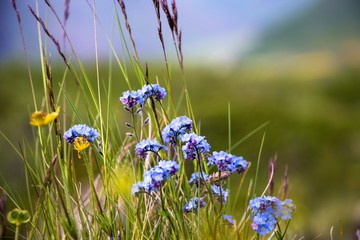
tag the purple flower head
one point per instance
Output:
(228, 162)
(262, 229)
(220, 193)
(177, 127)
(194, 145)
(138, 187)
(132, 98)
(288, 208)
(148, 145)
(81, 130)
(228, 219)
(267, 210)
(197, 178)
(154, 177)
(171, 167)
(194, 205)
(154, 90)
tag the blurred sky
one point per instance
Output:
(212, 30)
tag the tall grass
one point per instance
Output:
(105, 188)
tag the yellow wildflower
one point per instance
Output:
(81, 143)
(41, 118)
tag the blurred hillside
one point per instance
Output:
(314, 44)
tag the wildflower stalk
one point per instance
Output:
(134, 124)
(156, 117)
(46, 183)
(218, 214)
(278, 232)
(91, 183)
(258, 163)
(164, 210)
(286, 228)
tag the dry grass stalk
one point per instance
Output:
(285, 185)
(272, 167)
(127, 24)
(173, 24)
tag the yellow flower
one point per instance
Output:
(41, 119)
(80, 144)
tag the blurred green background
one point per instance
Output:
(302, 75)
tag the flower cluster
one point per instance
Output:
(177, 127)
(194, 204)
(194, 145)
(148, 145)
(81, 130)
(288, 209)
(219, 192)
(266, 212)
(228, 162)
(132, 98)
(197, 178)
(228, 219)
(155, 176)
(154, 90)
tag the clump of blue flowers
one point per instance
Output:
(228, 219)
(194, 205)
(228, 162)
(220, 193)
(154, 177)
(155, 91)
(177, 127)
(194, 145)
(81, 130)
(266, 212)
(198, 178)
(148, 145)
(132, 98)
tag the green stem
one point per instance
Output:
(17, 232)
(286, 227)
(134, 124)
(278, 233)
(163, 208)
(91, 182)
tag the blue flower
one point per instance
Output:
(220, 193)
(81, 130)
(177, 127)
(267, 210)
(194, 145)
(148, 145)
(171, 167)
(262, 229)
(228, 162)
(158, 174)
(140, 186)
(288, 209)
(197, 178)
(154, 90)
(132, 98)
(194, 205)
(154, 177)
(229, 219)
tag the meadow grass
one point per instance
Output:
(89, 175)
